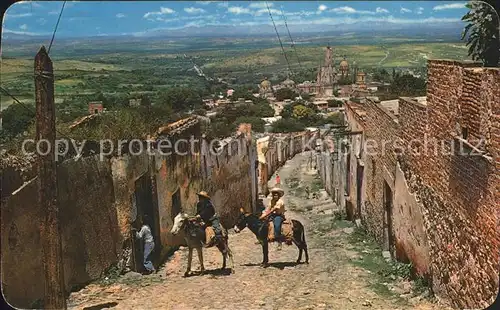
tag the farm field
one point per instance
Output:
(241, 61)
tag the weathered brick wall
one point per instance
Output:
(459, 193)
(381, 129)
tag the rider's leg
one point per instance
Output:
(217, 228)
(278, 220)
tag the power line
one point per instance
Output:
(291, 40)
(279, 39)
(28, 109)
(55, 29)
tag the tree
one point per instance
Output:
(408, 85)
(305, 96)
(16, 119)
(181, 98)
(145, 100)
(242, 92)
(481, 32)
(256, 122)
(301, 112)
(285, 93)
(334, 103)
(287, 125)
(262, 110)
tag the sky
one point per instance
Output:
(108, 18)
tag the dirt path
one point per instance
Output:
(346, 271)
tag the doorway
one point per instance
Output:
(144, 203)
(359, 187)
(388, 229)
(176, 204)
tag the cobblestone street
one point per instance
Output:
(345, 271)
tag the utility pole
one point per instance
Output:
(55, 297)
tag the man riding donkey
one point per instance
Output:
(205, 211)
(275, 212)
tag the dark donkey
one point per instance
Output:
(261, 229)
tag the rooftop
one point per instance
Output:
(391, 105)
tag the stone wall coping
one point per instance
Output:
(386, 111)
(413, 102)
(461, 63)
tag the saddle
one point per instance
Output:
(210, 239)
(286, 232)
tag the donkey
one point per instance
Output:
(261, 229)
(195, 239)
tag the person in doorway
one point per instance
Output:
(205, 211)
(276, 212)
(146, 235)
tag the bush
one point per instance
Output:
(256, 122)
(16, 119)
(287, 125)
(285, 93)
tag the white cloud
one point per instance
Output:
(53, 13)
(224, 4)
(23, 27)
(350, 10)
(265, 11)
(420, 10)
(260, 5)
(193, 10)
(41, 21)
(405, 10)
(238, 10)
(29, 3)
(300, 13)
(204, 2)
(381, 10)
(390, 19)
(120, 15)
(322, 8)
(18, 15)
(449, 6)
(344, 9)
(7, 31)
(163, 11)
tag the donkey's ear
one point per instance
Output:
(242, 210)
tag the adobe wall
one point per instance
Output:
(85, 193)
(97, 209)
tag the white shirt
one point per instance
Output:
(145, 233)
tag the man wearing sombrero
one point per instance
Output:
(276, 211)
(206, 211)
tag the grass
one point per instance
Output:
(384, 271)
(372, 260)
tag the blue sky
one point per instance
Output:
(83, 18)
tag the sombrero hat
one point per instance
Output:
(203, 194)
(278, 190)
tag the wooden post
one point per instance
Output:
(50, 236)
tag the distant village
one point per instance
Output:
(319, 93)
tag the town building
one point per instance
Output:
(95, 107)
(327, 78)
(135, 102)
(265, 89)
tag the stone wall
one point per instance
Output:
(437, 173)
(90, 232)
(275, 149)
(459, 192)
